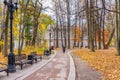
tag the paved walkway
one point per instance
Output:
(60, 66)
(27, 70)
(57, 69)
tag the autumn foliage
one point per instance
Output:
(77, 32)
(26, 50)
(106, 35)
(102, 60)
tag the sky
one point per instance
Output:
(48, 3)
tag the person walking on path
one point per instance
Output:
(63, 48)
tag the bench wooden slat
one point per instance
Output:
(34, 56)
(4, 69)
(21, 60)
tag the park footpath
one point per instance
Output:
(60, 66)
(57, 69)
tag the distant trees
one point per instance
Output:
(77, 32)
(97, 19)
(62, 12)
(32, 23)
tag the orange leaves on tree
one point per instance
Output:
(106, 35)
(77, 32)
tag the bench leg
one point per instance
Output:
(7, 71)
(21, 66)
(35, 60)
(41, 57)
(31, 62)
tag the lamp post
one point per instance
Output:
(12, 6)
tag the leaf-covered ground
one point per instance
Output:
(103, 60)
(26, 50)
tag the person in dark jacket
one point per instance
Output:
(63, 48)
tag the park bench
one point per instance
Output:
(4, 69)
(21, 60)
(47, 52)
(34, 56)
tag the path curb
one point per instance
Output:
(72, 73)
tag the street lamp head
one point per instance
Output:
(15, 1)
(5, 2)
(16, 4)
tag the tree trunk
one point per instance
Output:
(57, 40)
(117, 29)
(92, 26)
(6, 33)
(35, 29)
(103, 28)
(88, 22)
(68, 22)
(110, 38)
(36, 18)
(22, 33)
